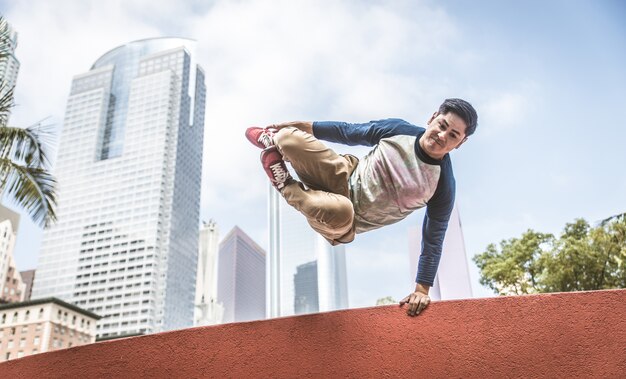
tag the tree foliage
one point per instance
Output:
(24, 163)
(581, 258)
(387, 300)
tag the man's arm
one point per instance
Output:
(368, 134)
(305, 126)
(438, 213)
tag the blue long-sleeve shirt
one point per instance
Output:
(396, 178)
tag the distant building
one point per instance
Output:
(208, 311)
(9, 65)
(452, 280)
(12, 288)
(306, 298)
(306, 273)
(125, 244)
(28, 277)
(241, 277)
(42, 325)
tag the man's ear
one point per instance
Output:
(432, 117)
(461, 143)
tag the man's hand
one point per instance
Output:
(418, 300)
(305, 126)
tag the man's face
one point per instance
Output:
(444, 133)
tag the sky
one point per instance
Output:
(546, 77)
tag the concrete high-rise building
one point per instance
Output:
(307, 274)
(241, 277)
(28, 277)
(12, 288)
(9, 65)
(453, 279)
(208, 311)
(125, 245)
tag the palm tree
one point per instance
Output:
(24, 164)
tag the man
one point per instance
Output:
(340, 196)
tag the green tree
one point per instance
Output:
(514, 268)
(386, 301)
(582, 258)
(24, 164)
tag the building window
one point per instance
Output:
(7, 357)
(15, 317)
(10, 345)
(36, 340)
(38, 327)
(20, 354)
(13, 331)
(4, 318)
(41, 313)
(23, 342)
(26, 315)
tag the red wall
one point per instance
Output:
(557, 335)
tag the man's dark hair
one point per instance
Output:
(462, 109)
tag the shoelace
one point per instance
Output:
(266, 139)
(279, 174)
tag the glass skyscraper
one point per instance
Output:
(129, 165)
(307, 274)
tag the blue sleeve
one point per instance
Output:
(367, 134)
(438, 211)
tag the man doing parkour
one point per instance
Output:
(340, 196)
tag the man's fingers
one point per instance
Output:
(423, 303)
(412, 307)
(405, 300)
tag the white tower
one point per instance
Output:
(207, 311)
(452, 280)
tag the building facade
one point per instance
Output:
(12, 287)
(9, 65)
(28, 277)
(241, 277)
(125, 245)
(42, 325)
(208, 311)
(307, 274)
(453, 279)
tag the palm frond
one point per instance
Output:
(27, 145)
(32, 188)
(6, 102)
(5, 38)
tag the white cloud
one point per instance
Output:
(504, 110)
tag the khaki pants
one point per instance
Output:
(326, 201)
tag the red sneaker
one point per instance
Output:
(275, 167)
(260, 137)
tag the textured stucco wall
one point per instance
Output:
(575, 335)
